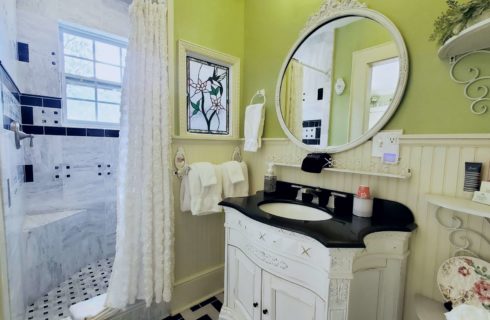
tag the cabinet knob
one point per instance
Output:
(265, 311)
(256, 304)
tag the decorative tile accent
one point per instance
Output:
(22, 52)
(312, 131)
(28, 173)
(27, 115)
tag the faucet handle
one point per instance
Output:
(331, 199)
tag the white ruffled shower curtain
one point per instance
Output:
(143, 266)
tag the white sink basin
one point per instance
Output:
(294, 211)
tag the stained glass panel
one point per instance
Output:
(208, 97)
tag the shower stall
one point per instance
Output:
(59, 204)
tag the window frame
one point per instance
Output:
(94, 35)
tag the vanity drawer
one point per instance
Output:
(285, 242)
(292, 256)
(286, 267)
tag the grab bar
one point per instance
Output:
(19, 135)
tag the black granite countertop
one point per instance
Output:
(344, 230)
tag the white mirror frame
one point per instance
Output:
(329, 11)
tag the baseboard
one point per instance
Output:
(196, 288)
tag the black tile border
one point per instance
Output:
(70, 132)
(28, 101)
(27, 115)
(76, 132)
(33, 100)
(95, 132)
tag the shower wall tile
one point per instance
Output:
(67, 177)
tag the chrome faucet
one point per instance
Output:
(19, 135)
(304, 190)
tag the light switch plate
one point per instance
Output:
(387, 142)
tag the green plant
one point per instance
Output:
(456, 18)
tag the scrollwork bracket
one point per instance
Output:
(459, 234)
(479, 98)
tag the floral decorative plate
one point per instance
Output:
(465, 280)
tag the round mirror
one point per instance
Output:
(342, 81)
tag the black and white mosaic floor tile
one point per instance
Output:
(207, 310)
(91, 281)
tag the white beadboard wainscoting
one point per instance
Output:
(437, 166)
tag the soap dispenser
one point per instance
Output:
(270, 179)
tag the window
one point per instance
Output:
(93, 67)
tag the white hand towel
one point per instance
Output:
(86, 309)
(206, 173)
(185, 194)
(467, 312)
(254, 126)
(204, 200)
(234, 171)
(239, 189)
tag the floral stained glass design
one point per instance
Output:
(208, 100)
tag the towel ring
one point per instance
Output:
(180, 163)
(258, 94)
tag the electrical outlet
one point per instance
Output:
(386, 145)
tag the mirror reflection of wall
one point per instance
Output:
(384, 79)
(352, 38)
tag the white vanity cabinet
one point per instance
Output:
(257, 294)
(275, 274)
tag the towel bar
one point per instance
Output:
(182, 167)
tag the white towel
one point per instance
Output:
(206, 173)
(185, 195)
(239, 189)
(254, 125)
(467, 312)
(234, 171)
(86, 309)
(204, 200)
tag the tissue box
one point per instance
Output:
(481, 197)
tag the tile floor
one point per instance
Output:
(91, 281)
(206, 310)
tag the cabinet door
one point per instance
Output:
(244, 285)
(284, 300)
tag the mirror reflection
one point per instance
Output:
(339, 82)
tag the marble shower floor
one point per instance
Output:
(92, 280)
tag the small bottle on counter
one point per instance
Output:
(270, 179)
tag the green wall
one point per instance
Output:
(433, 103)
(363, 34)
(215, 24)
